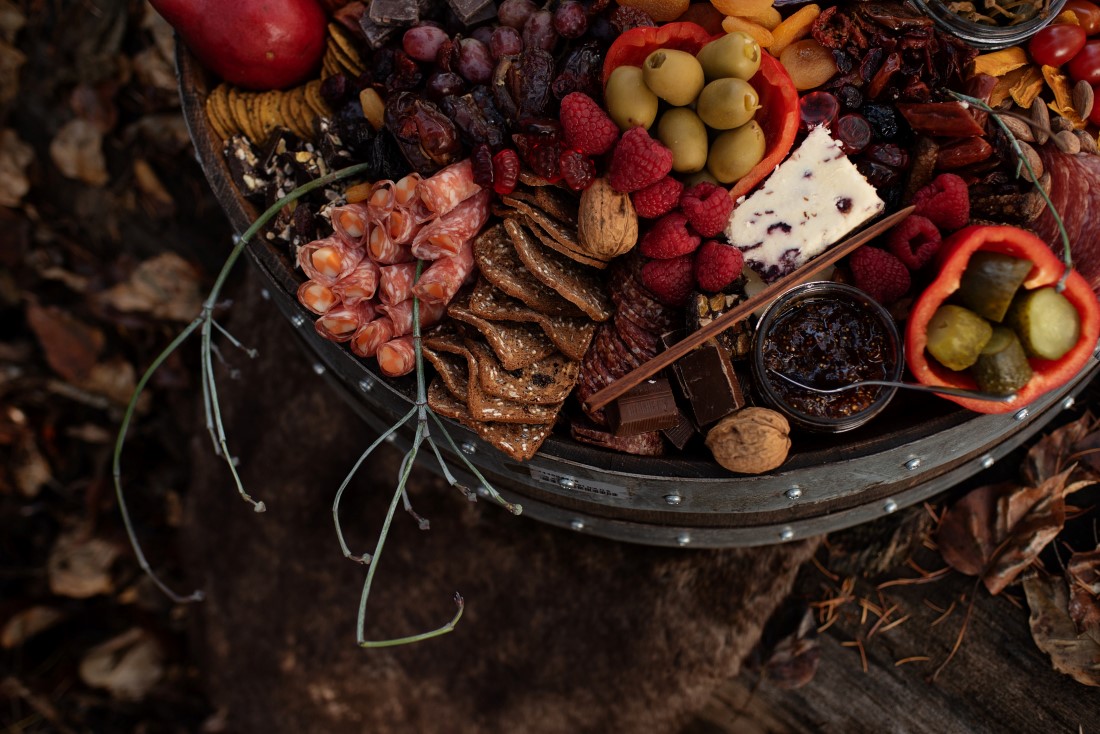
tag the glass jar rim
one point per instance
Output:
(982, 35)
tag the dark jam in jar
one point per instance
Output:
(828, 343)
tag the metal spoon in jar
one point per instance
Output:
(958, 392)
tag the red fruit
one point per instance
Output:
(657, 199)
(586, 126)
(257, 44)
(1056, 44)
(914, 241)
(577, 169)
(881, 275)
(707, 206)
(1086, 64)
(482, 160)
(638, 161)
(668, 238)
(717, 265)
(505, 171)
(945, 201)
(670, 281)
(541, 152)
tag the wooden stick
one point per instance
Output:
(741, 311)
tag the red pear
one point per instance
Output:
(257, 44)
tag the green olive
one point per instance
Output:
(685, 135)
(735, 152)
(629, 101)
(674, 76)
(735, 54)
(727, 103)
(699, 177)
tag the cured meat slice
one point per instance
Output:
(401, 226)
(447, 188)
(383, 250)
(641, 444)
(397, 356)
(370, 336)
(316, 297)
(328, 260)
(358, 285)
(441, 281)
(352, 223)
(381, 200)
(446, 235)
(341, 323)
(396, 283)
(401, 315)
(407, 198)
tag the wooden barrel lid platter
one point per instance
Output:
(916, 449)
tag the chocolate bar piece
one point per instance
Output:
(679, 434)
(709, 383)
(648, 407)
(394, 12)
(468, 11)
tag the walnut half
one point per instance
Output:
(751, 441)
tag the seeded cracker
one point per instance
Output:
(577, 284)
(571, 335)
(545, 382)
(516, 344)
(498, 262)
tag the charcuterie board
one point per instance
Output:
(915, 449)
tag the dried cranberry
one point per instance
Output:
(505, 171)
(888, 154)
(577, 169)
(540, 152)
(482, 159)
(406, 73)
(580, 71)
(850, 97)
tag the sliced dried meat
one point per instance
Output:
(441, 281)
(351, 223)
(447, 234)
(547, 381)
(515, 343)
(447, 188)
(381, 200)
(401, 315)
(641, 341)
(396, 283)
(499, 263)
(642, 444)
(384, 251)
(580, 285)
(397, 356)
(636, 303)
(358, 285)
(571, 335)
(401, 226)
(340, 323)
(328, 260)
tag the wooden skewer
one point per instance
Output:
(741, 311)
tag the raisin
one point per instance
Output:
(884, 121)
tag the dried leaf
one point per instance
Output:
(30, 470)
(77, 151)
(165, 287)
(1076, 655)
(27, 623)
(794, 658)
(1002, 90)
(999, 63)
(71, 346)
(1055, 451)
(15, 158)
(11, 61)
(1063, 95)
(128, 666)
(156, 198)
(1028, 88)
(115, 380)
(1083, 576)
(80, 568)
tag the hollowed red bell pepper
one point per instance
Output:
(953, 257)
(778, 113)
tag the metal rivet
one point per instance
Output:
(1068, 403)
(265, 294)
(988, 461)
(683, 539)
(318, 368)
(567, 482)
(794, 492)
(468, 448)
(786, 533)
(1021, 414)
(577, 524)
(298, 319)
(890, 506)
(366, 384)
(673, 499)
(912, 464)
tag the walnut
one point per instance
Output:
(607, 225)
(751, 441)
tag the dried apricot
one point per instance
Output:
(661, 11)
(794, 28)
(809, 63)
(742, 7)
(762, 35)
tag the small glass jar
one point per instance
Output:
(986, 36)
(826, 334)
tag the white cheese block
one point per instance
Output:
(809, 203)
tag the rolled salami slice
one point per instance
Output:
(351, 223)
(447, 188)
(341, 323)
(444, 236)
(381, 200)
(401, 315)
(372, 335)
(316, 297)
(439, 283)
(401, 226)
(396, 283)
(328, 260)
(384, 250)
(407, 197)
(358, 285)
(397, 356)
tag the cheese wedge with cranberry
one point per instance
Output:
(808, 204)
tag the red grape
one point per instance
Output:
(1087, 13)
(1094, 116)
(854, 132)
(514, 13)
(1086, 64)
(570, 20)
(818, 108)
(505, 41)
(482, 33)
(422, 42)
(443, 83)
(475, 63)
(1056, 44)
(538, 31)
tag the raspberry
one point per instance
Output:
(883, 276)
(505, 171)
(624, 19)
(586, 126)
(707, 206)
(914, 241)
(946, 201)
(638, 161)
(482, 159)
(717, 265)
(670, 281)
(668, 238)
(657, 199)
(540, 151)
(577, 169)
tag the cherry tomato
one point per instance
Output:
(1086, 64)
(1094, 116)
(1088, 15)
(1056, 44)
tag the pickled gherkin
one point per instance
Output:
(956, 336)
(1046, 322)
(1002, 367)
(990, 282)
